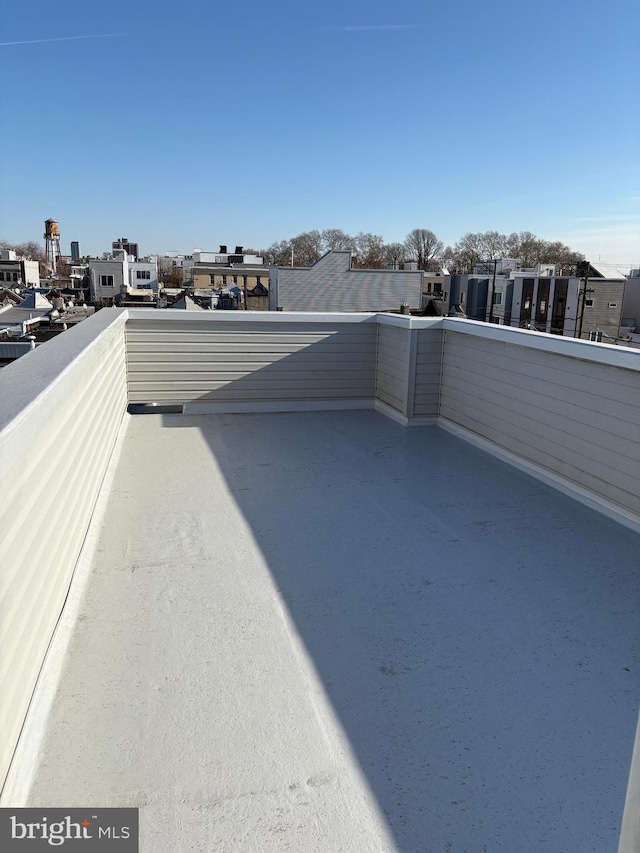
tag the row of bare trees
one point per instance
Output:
(474, 248)
(370, 250)
(422, 247)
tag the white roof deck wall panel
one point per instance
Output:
(63, 406)
(573, 416)
(217, 360)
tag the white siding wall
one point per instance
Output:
(392, 365)
(428, 362)
(573, 416)
(221, 358)
(62, 407)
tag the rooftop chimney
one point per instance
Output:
(238, 250)
(223, 250)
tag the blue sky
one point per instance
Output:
(199, 124)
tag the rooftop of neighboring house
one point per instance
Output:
(600, 270)
(226, 257)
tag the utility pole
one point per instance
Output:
(582, 301)
(493, 290)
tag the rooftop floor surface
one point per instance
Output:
(328, 632)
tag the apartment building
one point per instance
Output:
(588, 305)
(224, 268)
(18, 272)
(112, 275)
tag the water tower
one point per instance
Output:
(52, 243)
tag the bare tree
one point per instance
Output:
(307, 248)
(422, 246)
(465, 254)
(525, 246)
(494, 245)
(370, 252)
(169, 272)
(565, 259)
(475, 248)
(395, 253)
(335, 238)
(278, 254)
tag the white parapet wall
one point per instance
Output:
(408, 367)
(238, 361)
(564, 406)
(61, 408)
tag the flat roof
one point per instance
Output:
(324, 631)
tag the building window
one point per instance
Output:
(106, 281)
(429, 287)
(15, 276)
(143, 274)
(1, 276)
(588, 303)
(612, 305)
(497, 299)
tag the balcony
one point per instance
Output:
(358, 582)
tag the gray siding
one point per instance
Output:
(331, 285)
(631, 301)
(392, 366)
(578, 419)
(428, 362)
(63, 406)
(217, 361)
(600, 316)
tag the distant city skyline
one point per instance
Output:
(454, 119)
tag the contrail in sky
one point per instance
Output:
(375, 27)
(64, 38)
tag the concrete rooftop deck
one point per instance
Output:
(327, 632)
